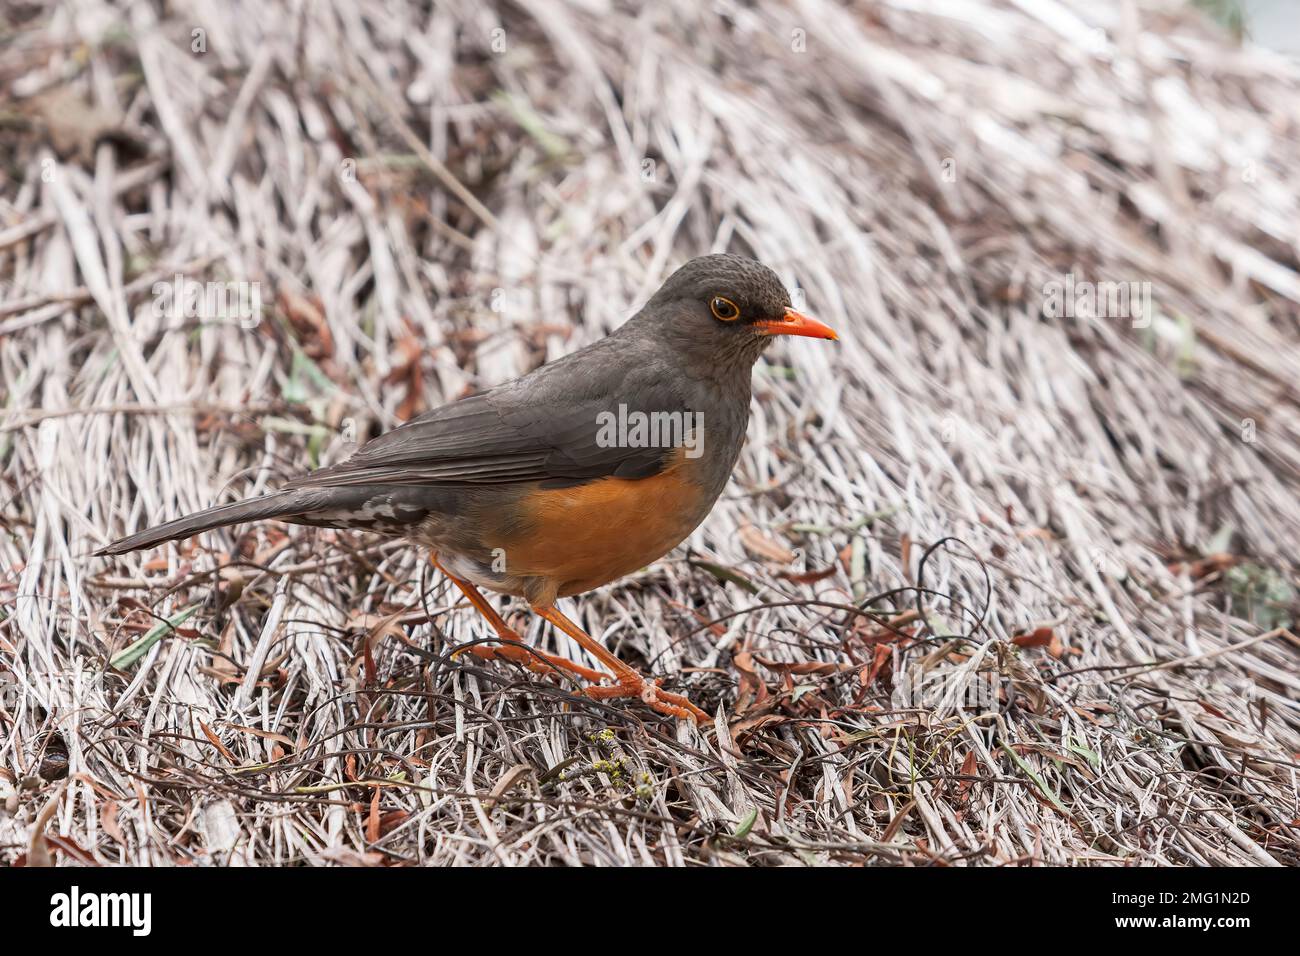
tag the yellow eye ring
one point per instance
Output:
(724, 309)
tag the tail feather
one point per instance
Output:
(281, 504)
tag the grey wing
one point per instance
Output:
(544, 427)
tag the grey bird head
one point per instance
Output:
(718, 313)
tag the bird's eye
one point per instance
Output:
(724, 309)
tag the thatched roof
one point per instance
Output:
(997, 580)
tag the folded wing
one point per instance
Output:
(529, 430)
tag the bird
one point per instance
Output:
(568, 478)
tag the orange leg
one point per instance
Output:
(630, 683)
(512, 648)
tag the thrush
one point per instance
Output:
(580, 472)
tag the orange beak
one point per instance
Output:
(796, 323)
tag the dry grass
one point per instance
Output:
(1059, 552)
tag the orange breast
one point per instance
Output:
(580, 538)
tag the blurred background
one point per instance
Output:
(1271, 23)
(1007, 577)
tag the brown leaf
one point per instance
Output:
(408, 369)
(216, 742)
(1212, 709)
(1039, 637)
(70, 847)
(108, 821)
(717, 628)
(372, 825)
(880, 654)
(372, 674)
(968, 768)
(38, 851)
(753, 689)
(807, 577)
(390, 821)
(896, 824)
(509, 780)
(307, 317)
(754, 723)
(265, 735)
(802, 667)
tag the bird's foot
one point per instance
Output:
(539, 662)
(632, 684)
(627, 682)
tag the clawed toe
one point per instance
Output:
(539, 662)
(661, 701)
